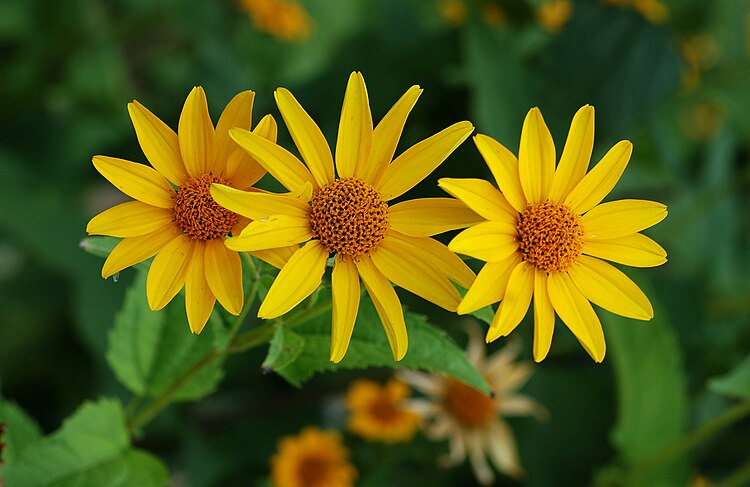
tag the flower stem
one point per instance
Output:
(682, 445)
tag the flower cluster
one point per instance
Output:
(543, 232)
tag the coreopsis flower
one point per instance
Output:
(552, 15)
(379, 413)
(472, 421)
(173, 215)
(547, 232)
(286, 20)
(454, 11)
(345, 213)
(314, 458)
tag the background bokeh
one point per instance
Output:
(672, 76)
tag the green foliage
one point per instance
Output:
(91, 449)
(735, 383)
(150, 350)
(20, 430)
(652, 394)
(297, 355)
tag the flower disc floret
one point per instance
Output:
(197, 214)
(467, 405)
(550, 236)
(348, 216)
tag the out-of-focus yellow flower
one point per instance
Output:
(314, 458)
(472, 421)
(552, 15)
(700, 52)
(378, 413)
(703, 120)
(454, 11)
(284, 19)
(493, 14)
(652, 10)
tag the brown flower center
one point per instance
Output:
(384, 410)
(467, 405)
(197, 214)
(550, 236)
(348, 216)
(312, 471)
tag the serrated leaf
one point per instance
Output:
(150, 350)
(91, 449)
(20, 430)
(284, 348)
(652, 392)
(736, 383)
(430, 349)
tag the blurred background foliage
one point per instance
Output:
(673, 76)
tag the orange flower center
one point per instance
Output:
(348, 216)
(467, 405)
(384, 410)
(312, 471)
(197, 214)
(550, 236)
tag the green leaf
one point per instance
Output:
(736, 383)
(101, 246)
(90, 450)
(652, 393)
(20, 430)
(150, 350)
(430, 349)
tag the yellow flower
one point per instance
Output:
(546, 228)
(348, 215)
(315, 458)
(472, 421)
(493, 14)
(454, 11)
(283, 19)
(378, 412)
(652, 10)
(552, 15)
(183, 227)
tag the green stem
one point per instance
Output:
(682, 445)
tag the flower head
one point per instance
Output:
(314, 458)
(379, 413)
(552, 15)
(345, 212)
(472, 421)
(286, 20)
(174, 216)
(547, 231)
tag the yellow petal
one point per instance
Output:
(544, 317)
(406, 269)
(482, 197)
(385, 137)
(270, 233)
(195, 132)
(308, 138)
(158, 142)
(256, 205)
(287, 169)
(276, 257)
(199, 301)
(387, 305)
(577, 314)
(576, 154)
(136, 180)
(345, 293)
(242, 170)
(536, 158)
(515, 303)
(434, 254)
(237, 113)
(297, 280)
(355, 128)
(488, 241)
(418, 161)
(635, 250)
(608, 287)
(425, 217)
(504, 167)
(223, 271)
(129, 219)
(597, 184)
(132, 250)
(620, 218)
(490, 285)
(168, 271)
